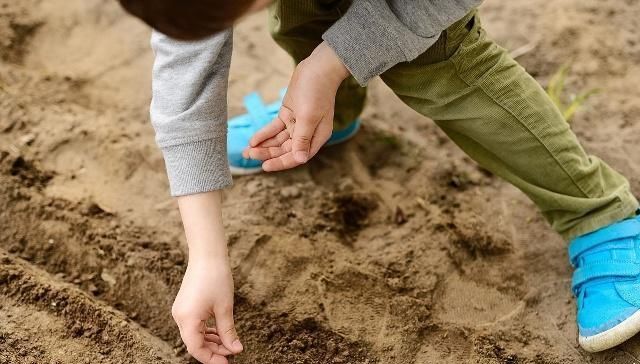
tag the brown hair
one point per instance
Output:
(188, 19)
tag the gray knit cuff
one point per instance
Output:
(369, 39)
(197, 167)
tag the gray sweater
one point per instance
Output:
(189, 105)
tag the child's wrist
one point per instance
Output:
(202, 219)
(331, 65)
(210, 257)
(208, 250)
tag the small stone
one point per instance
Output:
(422, 203)
(111, 280)
(87, 276)
(253, 187)
(400, 217)
(297, 344)
(290, 192)
(177, 343)
(331, 347)
(346, 185)
(176, 257)
(93, 289)
(93, 209)
(27, 139)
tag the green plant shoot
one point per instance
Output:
(555, 89)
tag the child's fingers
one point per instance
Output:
(264, 154)
(285, 161)
(270, 130)
(193, 337)
(280, 123)
(302, 135)
(218, 349)
(277, 140)
(226, 328)
(274, 142)
(212, 338)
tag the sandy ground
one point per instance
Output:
(402, 251)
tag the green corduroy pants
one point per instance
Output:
(489, 106)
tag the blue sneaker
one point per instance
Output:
(242, 128)
(606, 283)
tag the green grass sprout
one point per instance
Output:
(567, 105)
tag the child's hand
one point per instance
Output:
(305, 121)
(207, 287)
(207, 290)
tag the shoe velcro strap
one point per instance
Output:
(622, 230)
(603, 269)
(255, 106)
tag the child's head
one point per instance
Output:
(191, 19)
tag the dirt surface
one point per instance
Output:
(393, 248)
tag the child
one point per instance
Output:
(436, 57)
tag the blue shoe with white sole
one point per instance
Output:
(242, 128)
(606, 283)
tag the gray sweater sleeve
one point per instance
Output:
(189, 110)
(374, 35)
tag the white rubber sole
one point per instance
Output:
(235, 171)
(612, 337)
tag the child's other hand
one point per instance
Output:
(305, 121)
(207, 290)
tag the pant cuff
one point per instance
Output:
(627, 208)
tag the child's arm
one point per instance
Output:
(207, 286)
(371, 37)
(188, 112)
